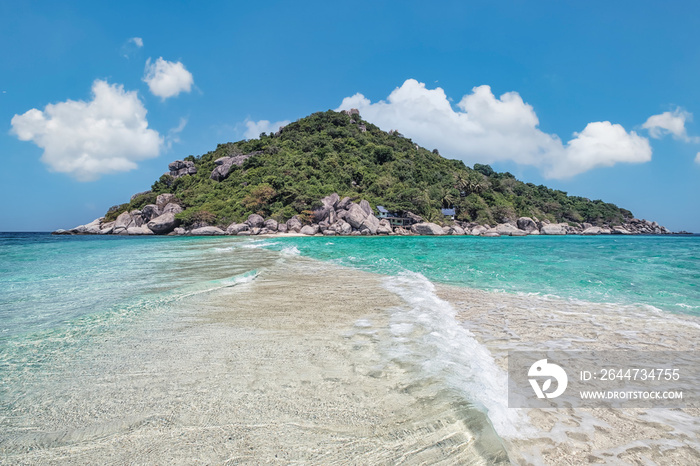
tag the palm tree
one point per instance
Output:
(461, 179)
(447, 199)
(474, 183)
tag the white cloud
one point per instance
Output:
(697, 158)
(255, 128)
(174, 133)
(600, 144)
(167, 79)
(670, 123)
(88, 139)
(131, 47)
(486, 129)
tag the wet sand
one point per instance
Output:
(578, 435)
(287, 368)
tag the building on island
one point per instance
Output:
(395, 219)
(448, 213)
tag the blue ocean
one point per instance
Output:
(116, 349)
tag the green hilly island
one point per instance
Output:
(285, 174)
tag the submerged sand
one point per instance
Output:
(286, 368)
(311, 363)
(587, 436)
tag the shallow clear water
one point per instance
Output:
(251, 350)
(661, 271)
(49, 281)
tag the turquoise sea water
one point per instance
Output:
(48, 281)
(67, 299)
(659, 271)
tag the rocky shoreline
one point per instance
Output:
(341, 217)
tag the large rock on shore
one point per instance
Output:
(107, 228)
(236, 228)
(591, 231)
(149, 212)
(140, 230)
(309, 230)
(618, 230)
(92, 228)
(323, 214)
(427, 228)
(343, 204)
(294, 224)
(506, 229)
(164, 199)
(123, 222)
(527, 224)
(255, 221)
(342, 227)
(364, 205)
(384, 227)
(552, 230)
(271, 225)
(491, 232)
(207, 231)
(478, 230)
(136, 218)
(172, 208)
(331, 201)
(163, 224)
(360, 217)
(453, 230)
(355, 216)
(371, 223)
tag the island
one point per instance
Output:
(333, 173)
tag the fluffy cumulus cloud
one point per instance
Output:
(255, 128)
(670, 123)
(600, 144)
(697, 158)
(486, 129)
(88, 139)
(166, 78)
(137, 41)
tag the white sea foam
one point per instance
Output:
(256, 244)
(427, 334)
(290, 251)
(213, 285)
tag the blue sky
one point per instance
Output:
(594, 98)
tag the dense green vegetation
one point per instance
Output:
(326, 153)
